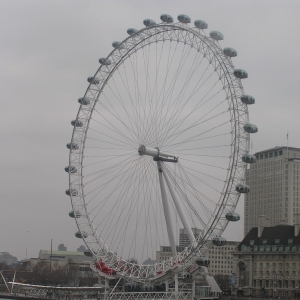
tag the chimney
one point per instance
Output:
(297, 223)
(261, 224)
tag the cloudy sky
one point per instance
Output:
(49, 48)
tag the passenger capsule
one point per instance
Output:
(148, 22)
(84, 101)
(184, 19)
(104, 61)
(93, 80)
(200, 24)
(249, 158)
(219, 241)
(131, 31)
(247, 99)
(70, 169)
(239, 73)
(118, 45)
(88, 253)
(81, 235)
(76, 123)
(202, 261)
(230, 52)
(242, 188)
(166, 18)
(232, 216)
(72, 146)
(71, 192)
(72, 214)
(250, 128)
(216, 35)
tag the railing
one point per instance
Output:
(147, 295)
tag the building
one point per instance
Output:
(184, 240)
(149, 261)
(7, 258)
(165, 253)
(63, 256)
(81, 248)
(274, 183)
(221, 258)
(61, 247)
(267, 261)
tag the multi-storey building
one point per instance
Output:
(221, 258)
(274, 187)
(267, 261)
(184, 240)
(165, 253)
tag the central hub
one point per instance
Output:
(157, 154)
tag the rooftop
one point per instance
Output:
(277, 148)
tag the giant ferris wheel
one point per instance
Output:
(159, 147)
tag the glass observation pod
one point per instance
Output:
(241, 74)
(88, 253)
(184, 19)
(131, 31)
(117, 45)
(104, 61)
(93, 80)
(247, 99)
(76, 123)
(70, 169)
(72, 214)
(230, 52)
(219, 241)
(72, 146)
(232, 216)
(166, 18)
(148, 22)
(216, 35)
(71, 192)
(81, 235)
(250, 128)
(84, 101)
(200, 24)
(202, 261)
(249, 158)
(242, 188)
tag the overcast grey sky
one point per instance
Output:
(49, 48)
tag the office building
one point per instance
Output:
(184, 240)
(165, 253)
(221, 259)
(274, 187)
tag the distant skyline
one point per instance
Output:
(49, 48)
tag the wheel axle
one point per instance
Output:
(157, 154)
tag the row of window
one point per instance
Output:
(280, 273)
(269, 154)
(278, 283)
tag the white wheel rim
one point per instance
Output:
(155, 131)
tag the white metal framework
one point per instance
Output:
(157, 146)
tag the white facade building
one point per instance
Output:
(221, 260)
(274, 187)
